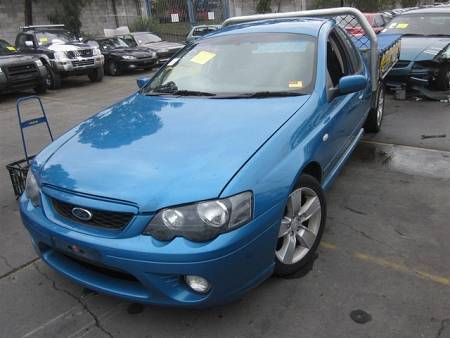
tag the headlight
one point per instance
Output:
(128, 57)
(202, 221)
(60, 56)
(154, 54)
(96, 51)
(38, 63)
(32, 189)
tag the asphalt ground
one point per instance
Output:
(382, 269)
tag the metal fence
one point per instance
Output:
(173, 19)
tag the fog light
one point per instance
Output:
(197, 283)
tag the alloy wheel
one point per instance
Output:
(300, 226)
(380, 106)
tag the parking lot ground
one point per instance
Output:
(385, 249)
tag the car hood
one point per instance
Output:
(157, 152)
(68, 46)
(422, 48)
(163, 46)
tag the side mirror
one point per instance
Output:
(142, 81)
(351, 84)
(29, 44)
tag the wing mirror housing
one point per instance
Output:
(29, 44)
(352, 83)
(142, 81)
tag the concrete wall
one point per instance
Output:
(96, 15)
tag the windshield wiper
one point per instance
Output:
(264, 94)
(172, 89)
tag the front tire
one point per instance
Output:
(113, 69)
(375, 117)
(97, 75)
(53, 78)
(301, 227)
(443, 78)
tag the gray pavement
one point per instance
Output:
(385, 250)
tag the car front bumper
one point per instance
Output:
(142, 269)
(78, 65)
(137, 63)
(25, 81)
(410, 74)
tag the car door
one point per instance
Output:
(342, 113)
(25, 43)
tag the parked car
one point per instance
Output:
(377, 20)
(19, 71)
(425, 52)
(164, 49)
(120, 57)
(61, 52)
(201, 30)
(210, 178)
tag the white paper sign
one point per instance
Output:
(210, 15)
(175, 17)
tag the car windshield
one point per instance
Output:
(46, 38)
(113, 43)
(241, 64)
(6, 48)
(147, 38)
(420, 24)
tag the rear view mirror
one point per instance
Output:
(142, 81)
(351, 84)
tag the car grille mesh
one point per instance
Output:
(22, 71)
(81, 52)
(81, 63)
(100, 218)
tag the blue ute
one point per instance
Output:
(210, 178)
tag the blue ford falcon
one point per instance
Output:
(210, 178)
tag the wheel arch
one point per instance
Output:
(313, 169)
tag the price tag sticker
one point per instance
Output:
(295, 84)
(203, 57)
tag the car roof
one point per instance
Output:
(308, 26)
(429, 10)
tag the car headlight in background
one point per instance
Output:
(32, 189)
(202, 221)
(128, 57)
(38, 63)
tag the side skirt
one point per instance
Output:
(337, 168)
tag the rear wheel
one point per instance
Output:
(375, 117)
(301, 227)
(96, 75)
(443, 78)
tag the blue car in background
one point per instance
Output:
(425, 48)
(211, 177)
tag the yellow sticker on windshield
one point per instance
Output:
(11, 48)
(295, 84)
(203, 57)
(402, 25)
(43, 39)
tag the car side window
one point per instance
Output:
(378, 21)
(22, 41)
(338, 64)
(351, 51)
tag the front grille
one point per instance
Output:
(22, 71)
(112, 273)
(402, 64)
(81, 52)
(80, 63)
(100, 218)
